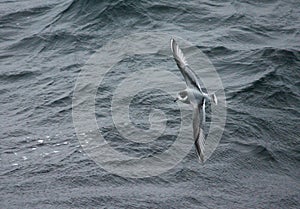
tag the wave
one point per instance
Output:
(264, 78)
(20, 14)
(16, 75)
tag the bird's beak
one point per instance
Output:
(175, 100)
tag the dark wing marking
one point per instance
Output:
(198, 132)
(203, 112)
(187, 72)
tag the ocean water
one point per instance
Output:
(253, 45)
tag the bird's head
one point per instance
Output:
(182, 96)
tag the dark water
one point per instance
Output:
(255, 48)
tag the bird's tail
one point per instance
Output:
(214, 98)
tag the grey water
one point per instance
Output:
(253, 45)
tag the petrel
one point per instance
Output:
(194, 96)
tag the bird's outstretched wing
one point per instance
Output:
(187, 72)
(198, 131)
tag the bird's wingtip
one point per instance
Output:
(201, 157)
(172, 42)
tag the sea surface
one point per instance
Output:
(253, 45)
